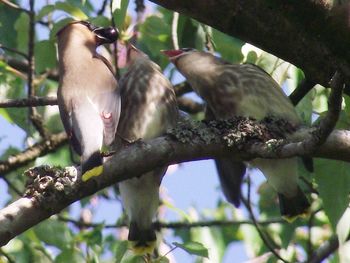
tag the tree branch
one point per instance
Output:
(299, 93)
(14, 51)
(14, 6)
(39, 149)
(311, 35)
(56, 189)
(28, 102)
(178, 225)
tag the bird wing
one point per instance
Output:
(109, 104)
(66, 109)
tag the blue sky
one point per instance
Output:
(193, 184)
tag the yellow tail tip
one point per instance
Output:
(147, 248)
(291, 219)
(96, 171)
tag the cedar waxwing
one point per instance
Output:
(88, 96)
(245, 90)
(149, 108)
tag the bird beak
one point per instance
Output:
(106, 35)
(172, 53)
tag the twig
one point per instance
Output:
(209, 43)
(14, 188)
(174, 25)
(31, 44)
(14, 6)
(14, 51)
(327, 249)
(29, 102)
(140, 9)
(185, 104)
(102, 8)
(39, 149)
(263, 235)
(114, 44)
(7, 256)
(176, 225)
(34, 116)
(301, 90)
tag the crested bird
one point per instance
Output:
(149, 108)
(88, 95)
(244, 90)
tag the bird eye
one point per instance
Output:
(187, 49)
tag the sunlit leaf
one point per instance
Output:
(47, 9)
(193, 248)
(22, 28)
(45, 55)
(70, 255)
(55, 233)
(120, 11)
(121, 248)
(343, 227)
(72, 10)
(333, 179)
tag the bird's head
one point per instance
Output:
(84, 31)
(191, 62)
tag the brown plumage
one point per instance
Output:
(88, 96)
(244, 90)
(148, 109)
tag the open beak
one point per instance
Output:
(172, 53)
(106, 35)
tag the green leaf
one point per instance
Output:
(343, 227)
(193, 248)
(92, 238)
(227, 46)
(72, 10)
(60, 157)
(45, 55)
(22, 27)
(58, 26)
(133, 259)
(70, 255)
(8, 17)
(333, 179)
(119, 13)
(55, 233)
(47, 9)
(121, 248)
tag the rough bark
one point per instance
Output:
(305, 33)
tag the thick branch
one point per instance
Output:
(30, 154)
(299, 93)
(192, 144)
(304, 33)
(28, 102)
(179, 225)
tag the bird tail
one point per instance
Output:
(92, 166)
(293, 207)
(143, 241)
(231, 176)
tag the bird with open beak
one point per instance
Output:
(88, 95)
(244, 90)
(149, 108)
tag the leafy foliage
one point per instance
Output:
(55, 240)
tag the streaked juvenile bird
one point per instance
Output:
(245, 90)
(149, 108)
(88, 96)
